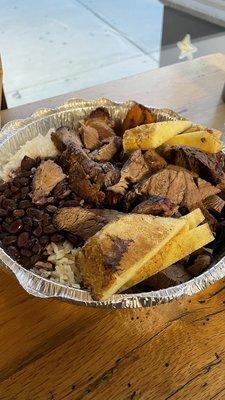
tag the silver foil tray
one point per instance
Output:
(18, 132)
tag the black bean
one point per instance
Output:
(18, 213)
(26, 262)
(8, 240)
(17, 196)
(15, 226)
(23, 239)
(7, 193)
(24, 204)
(5, 203)
(27, 163)
(14, 189)
(24, 174)
(28, 221)
(50, 200)
(57, 238)
(51, 209)
(70, 203)
(75, 197)
(3, 186)
(37, 161)
(37, 248)
(4, 226)
(9, 220)
(34, 259)
(35, 213)
(24, 192)
(26, 252)
(11, 205)
(3, 213)
(44, 240)
(38, 231)
(13, 251)
(49, 229)
(28, 228)
(46, 219)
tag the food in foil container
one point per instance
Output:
(116, 206)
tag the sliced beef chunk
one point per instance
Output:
(64, 136)
(84, 222)
(101, 114)
(214, 203)
(27, 163)
(137, 115)
(108, 150)
(90, 137)
(134, 169)
(207, 166)
(89, 179)
(113, 200)
(154, 161)
(46, 177)
(177, 184)
(171, 276)
(101, 121)
(156, 205)
(206, 189)
(221, 185)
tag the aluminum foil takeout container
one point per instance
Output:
(18, 132)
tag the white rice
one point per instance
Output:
(40, 146)
(62, 257)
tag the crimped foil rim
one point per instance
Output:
(42, 287)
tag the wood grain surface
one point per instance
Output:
(52, 350)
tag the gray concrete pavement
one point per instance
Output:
(52, 47)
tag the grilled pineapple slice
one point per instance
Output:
(151, 136)
(194, 218)
(201, 140)
(119, 250)
(196, 128)
(176, 249)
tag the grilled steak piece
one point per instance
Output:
(84, 222)
(178, 185)
(154, 161)
(64, 136)
(101, 114)
(46, 177)
(207, 166)
(101, 121)
(214, 203)
(137, 115)
(156, 205)
(89, 179)
(90, 137)
(108, 150)
(134, 169)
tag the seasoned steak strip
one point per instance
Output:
(84, 222)
(89, 179)
(208, 166)
(63, 137)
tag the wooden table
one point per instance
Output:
(51, 350)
